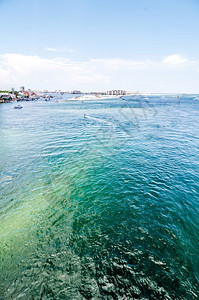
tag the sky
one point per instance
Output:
(99, 45)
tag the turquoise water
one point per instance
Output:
(103, 206)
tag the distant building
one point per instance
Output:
(26, 94)
(22, 89)
(76, 92)
(5, 97)
(116, 92)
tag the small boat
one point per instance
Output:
(18, 107)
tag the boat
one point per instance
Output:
(18, 107)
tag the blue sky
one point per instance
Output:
(145, 45)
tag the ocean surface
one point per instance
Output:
(102, 206)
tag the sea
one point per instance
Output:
(99, 199)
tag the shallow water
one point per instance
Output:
(103, 206)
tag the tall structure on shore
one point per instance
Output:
(22, 89)
(116, 92)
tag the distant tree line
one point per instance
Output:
(16, 93)
(5, 92)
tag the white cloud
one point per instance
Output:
(120, 64)
(61, 73)
(60, 49)
(17, 69)
(52, 49)
(175, 59)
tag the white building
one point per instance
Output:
(116, 92)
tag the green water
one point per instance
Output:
(101, 207)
